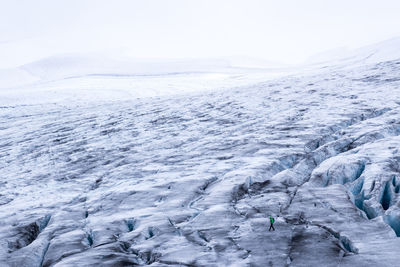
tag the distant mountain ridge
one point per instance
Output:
(375, 53)
(65, 66)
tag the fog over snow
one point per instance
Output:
(284, 31)
(166, 133)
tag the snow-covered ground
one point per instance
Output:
(191, 179)
(95, 78)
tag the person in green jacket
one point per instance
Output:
(271, 220)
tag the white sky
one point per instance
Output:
(280, 30)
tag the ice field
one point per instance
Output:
(186, 169)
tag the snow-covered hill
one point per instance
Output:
(375, 53)
(191, 180)
(78, 78)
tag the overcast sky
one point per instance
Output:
(278, 30)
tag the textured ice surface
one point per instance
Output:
(191, 180)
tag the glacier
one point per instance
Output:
(148, 177)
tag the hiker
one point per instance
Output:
(272, 220)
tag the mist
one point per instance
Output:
(285, 31)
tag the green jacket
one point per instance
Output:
(272, 220)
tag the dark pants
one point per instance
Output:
(271, 226)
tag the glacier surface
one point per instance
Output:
(191, 179)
